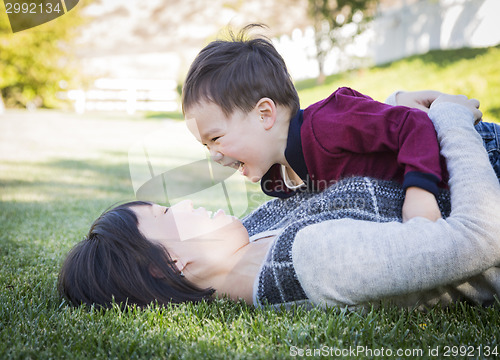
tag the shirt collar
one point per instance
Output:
(293, 152)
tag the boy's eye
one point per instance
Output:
(212, 140)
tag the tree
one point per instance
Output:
(34, 62)
(329, 17)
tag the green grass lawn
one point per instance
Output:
(58, 171)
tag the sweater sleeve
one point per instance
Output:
(349, 262)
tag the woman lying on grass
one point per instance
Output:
(343, 247)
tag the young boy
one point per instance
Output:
(240, 102)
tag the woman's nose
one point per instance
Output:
(216, 156)
(185, 205)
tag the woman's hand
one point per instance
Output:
(471, 104)
(421, 100)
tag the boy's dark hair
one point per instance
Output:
(237, 73)
(113, 264)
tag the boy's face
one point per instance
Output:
(239, 140)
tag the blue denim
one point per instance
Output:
(489, 132)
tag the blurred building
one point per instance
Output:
(401, 28)
(131, 45)
(407, 27)
(140, 51)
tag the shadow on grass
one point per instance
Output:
(67, 180)
(113, 170)
(73, 179)
(443, 58)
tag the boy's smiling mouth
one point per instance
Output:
(242, 169)
(235, 165)
(238, 165)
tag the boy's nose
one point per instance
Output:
(216, 156)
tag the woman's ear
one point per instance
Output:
(155, 272)
(266, 109)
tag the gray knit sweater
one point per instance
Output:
(368, 255)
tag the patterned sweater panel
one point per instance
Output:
(358, 198)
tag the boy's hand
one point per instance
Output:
(417, 99)
(471, 104)
(420, 202)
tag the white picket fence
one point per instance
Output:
(130, 95)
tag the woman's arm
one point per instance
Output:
(348, 262)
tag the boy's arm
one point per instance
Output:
(420, 202)
(372, 127)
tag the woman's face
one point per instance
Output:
(182, 222)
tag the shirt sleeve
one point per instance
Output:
(361, 125)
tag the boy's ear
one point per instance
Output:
(266, 109)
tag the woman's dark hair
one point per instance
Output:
(113, 264)
(237, 73)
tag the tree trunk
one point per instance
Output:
(2, 105)
(320, 53)
(320, 59)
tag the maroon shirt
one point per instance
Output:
(350, 134)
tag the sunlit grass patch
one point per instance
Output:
(472, 72)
